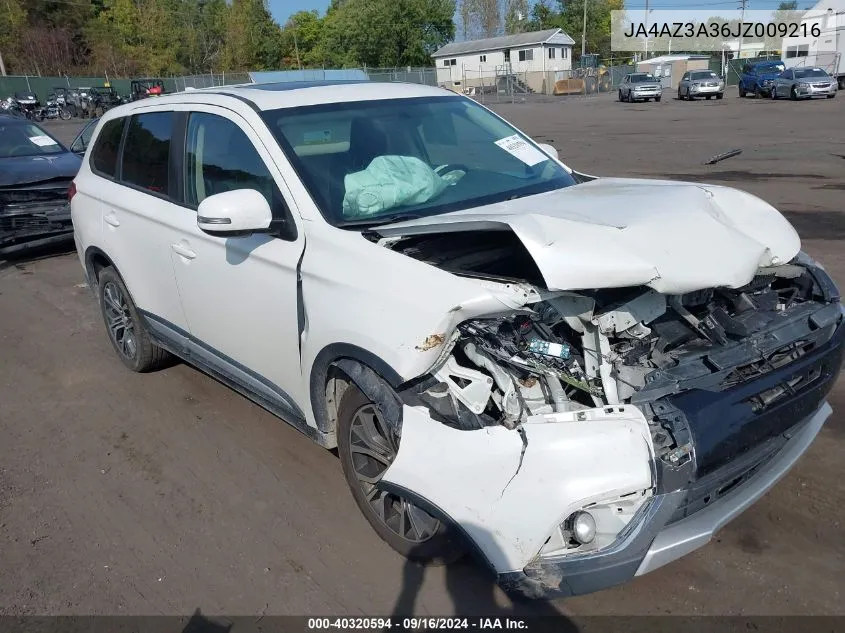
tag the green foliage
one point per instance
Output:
(158, 37)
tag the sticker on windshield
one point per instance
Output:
(520, 148)
(42, 141)
(317, 137)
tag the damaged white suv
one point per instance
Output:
(580, 378)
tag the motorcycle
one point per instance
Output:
(10, 106)
(52, 110)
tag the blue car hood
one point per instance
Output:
(22, 170)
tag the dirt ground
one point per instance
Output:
(162, 493)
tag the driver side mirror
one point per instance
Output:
(232, 213)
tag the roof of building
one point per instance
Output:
(668, 59)
(507, 41)
(286, 94)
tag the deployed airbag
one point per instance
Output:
(391, 181)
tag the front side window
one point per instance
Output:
(26, 139)
(364, 162)
(81, 142)
(220, 157)
(104, 154)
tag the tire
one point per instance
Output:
(758, 94)
(773, 94)
(720, 95)
(620, 96)
(741, 92)
(831, 96)
(707, 97)
(630, 97)
(657, 99)
(680, 96)
(439, 543)
(64, 114)
(793, 95)
(127, 334)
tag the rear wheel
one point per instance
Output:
(367, 445)
(64, 114)
(126, 331)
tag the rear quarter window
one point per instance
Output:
(104, 154)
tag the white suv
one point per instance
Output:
(582, 378)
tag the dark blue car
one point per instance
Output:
(759, 77)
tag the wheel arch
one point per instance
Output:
(372, 369)
(95, 261)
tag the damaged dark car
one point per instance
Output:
(36, 171)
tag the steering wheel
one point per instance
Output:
(445, 169)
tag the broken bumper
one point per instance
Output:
(29, 226)
(649, 543)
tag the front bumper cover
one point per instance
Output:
(649, 543)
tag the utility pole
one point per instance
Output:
(645, 54)
(742, 4)
(2, 66)
(584, 32)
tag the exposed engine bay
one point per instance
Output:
(579, 350)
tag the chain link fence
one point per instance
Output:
(210, 80)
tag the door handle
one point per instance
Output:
(111, 219)
(184, 251)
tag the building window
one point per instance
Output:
(507, 56)
(802, 50)
(552, 52)
(450, 62)
(526, 56)
(564, 53)
(482, 58)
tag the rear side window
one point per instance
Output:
(146, 151)
(104, 154)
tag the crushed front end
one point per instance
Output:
(596, 435)
(34, 215)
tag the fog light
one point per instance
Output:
(583, 527)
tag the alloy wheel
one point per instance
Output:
(119, 320)
(373, 446)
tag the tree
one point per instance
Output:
(481, 18)
(516, 17)
(253, 39)
(302, 40)
(788, 5)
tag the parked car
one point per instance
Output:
(640, 87)
(758, 77)
(804, 83)
(700, 83)
(585, 378)
(83, 138)
(35, 173)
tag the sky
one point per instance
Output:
(282, 9)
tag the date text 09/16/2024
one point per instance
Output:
(416, 624)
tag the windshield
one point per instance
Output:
(704, 75)
(372, 162)
(770, 69)
(26, 139)
(809, 72)
(638, 79)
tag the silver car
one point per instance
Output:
(640, 87)
(700, 83)
(804, 83)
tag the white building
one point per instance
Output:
(828, 49)
(534, 52)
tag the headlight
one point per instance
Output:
(595, 525)
(768, 82)
(802, 84)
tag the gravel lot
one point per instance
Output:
(167, 492)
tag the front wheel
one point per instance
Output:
(831, 96)
(793, 94)
(126, 331)
(774, 93)
(620, 96)
(367, 445)
(720, 95)
(741, 92)
(657, 98)
(64, 114)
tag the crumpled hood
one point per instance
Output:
(673, 236)
(21, 170)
